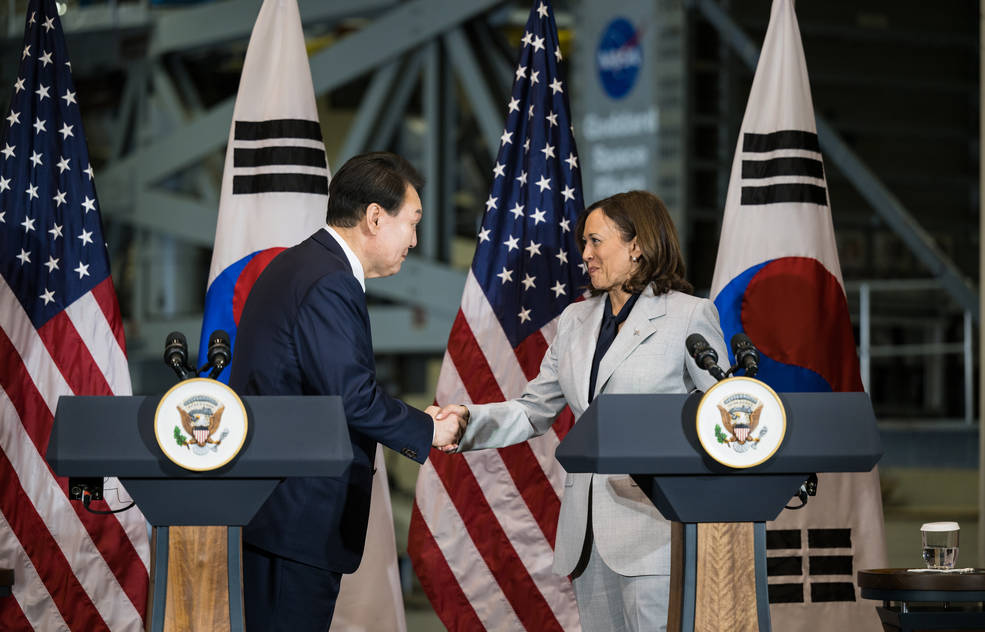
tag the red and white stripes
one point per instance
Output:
(74, 570)
(483, 527)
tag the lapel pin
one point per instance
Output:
(636, 332)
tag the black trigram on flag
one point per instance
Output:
(781, 167)
(829, 572)
(279, 156)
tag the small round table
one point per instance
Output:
(926, 601)
(6, 581)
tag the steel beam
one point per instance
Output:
(433, 172)
(217, 22)
(406, 330)
(487, 113)
(397, 103)
(424, 284)
(181, 216)
(886, 205)
(373, 101)
(399, 30)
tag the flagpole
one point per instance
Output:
(981, 295)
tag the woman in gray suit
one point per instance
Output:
(627, 338)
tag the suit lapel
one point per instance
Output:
(583, 340)
(641, 323)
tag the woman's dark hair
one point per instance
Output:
(379, 177)
(642, 215)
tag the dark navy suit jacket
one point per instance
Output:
(305, 331)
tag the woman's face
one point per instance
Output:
(607, 255)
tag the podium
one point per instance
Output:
(114, 436)
(654, 439)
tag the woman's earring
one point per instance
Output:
(634, 259)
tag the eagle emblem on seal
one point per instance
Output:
(201, 417)
(740, 419)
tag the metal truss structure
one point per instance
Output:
(160, 180)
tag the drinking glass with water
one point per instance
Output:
(940, 544)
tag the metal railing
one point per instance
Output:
(868, 351)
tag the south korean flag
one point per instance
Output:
(778, 279)
(275, 180)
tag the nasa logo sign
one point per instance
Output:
(619, 58)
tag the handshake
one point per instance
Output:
(449, 424)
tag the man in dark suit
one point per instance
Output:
(305, 331)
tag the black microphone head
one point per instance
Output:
(746, 355)
(739, 341)
(219, 336)
(695, 343)
(219, 351)
(175, 349)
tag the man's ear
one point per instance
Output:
(373, 216)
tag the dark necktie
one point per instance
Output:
(607, 333)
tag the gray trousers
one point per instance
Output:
(610, 602)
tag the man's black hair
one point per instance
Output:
(380, 177)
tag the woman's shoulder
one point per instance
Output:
(578, 311)
(685, 299)
(679, 299)
(583, 307)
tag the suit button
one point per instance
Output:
(410, 453)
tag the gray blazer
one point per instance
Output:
(647, 356)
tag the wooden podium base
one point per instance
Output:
(192, 569)
(718, 578)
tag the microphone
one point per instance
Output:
(219, 353)
(704, 355)
(746, 356)
(176, 354)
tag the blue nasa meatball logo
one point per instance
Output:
(619, 58)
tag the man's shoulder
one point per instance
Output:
(305, 263)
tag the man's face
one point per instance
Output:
(397, 235)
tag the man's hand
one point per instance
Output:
(449, 424)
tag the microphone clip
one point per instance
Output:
(807, 489)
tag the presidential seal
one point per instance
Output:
(200, 424)
(741, 422)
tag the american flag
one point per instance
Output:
(483, 523)
(60, 334)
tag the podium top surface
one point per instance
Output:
(656, 434)
(904, 579)
(114, 436)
